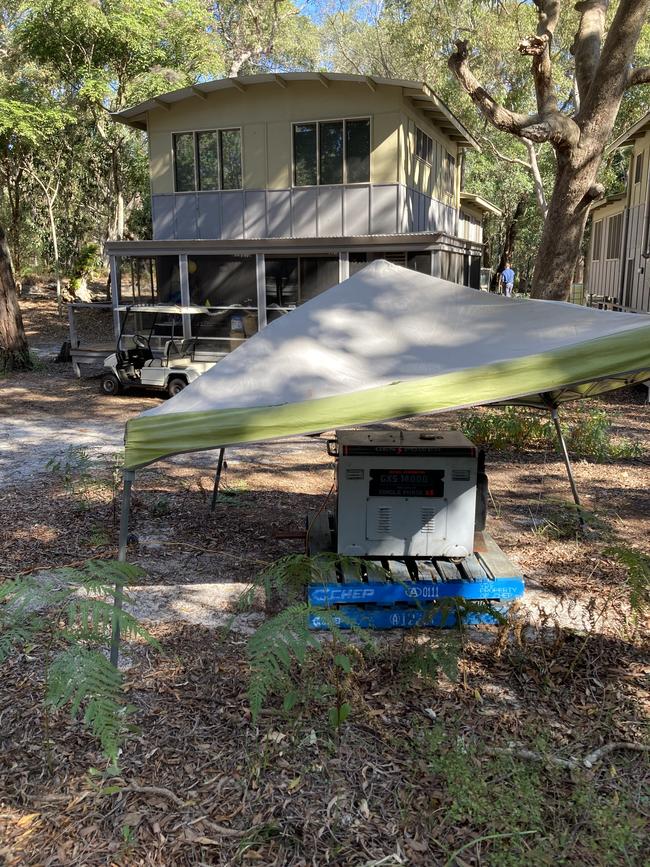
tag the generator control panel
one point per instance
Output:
(405, 493)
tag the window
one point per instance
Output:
(449, 176)
(614, 233)
(227, 286)
(230, 155)
(331, 152)
(292, 281)
(184, 162)
(146, 280)
(209, 160)
(638, 169)
(597, 241)
(424, 146)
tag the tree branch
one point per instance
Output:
(613, 70)
(587, 41)
(638, 76)
(539, 48)
(547, 126)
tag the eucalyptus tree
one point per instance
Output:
(14, 351)
(109, 54)
(256, 36)
(606, 36)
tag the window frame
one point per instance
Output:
(345, 182)
(638, 168)
(597, 253)
(194, 133)
(610, 220)
(431, 140)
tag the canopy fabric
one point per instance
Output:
(391, 343)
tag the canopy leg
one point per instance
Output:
(217, 479)
(129, 477)
(567, 463)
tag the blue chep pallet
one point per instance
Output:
(412, 592)
(374, 617)
(399, 602)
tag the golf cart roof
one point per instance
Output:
(191, 309)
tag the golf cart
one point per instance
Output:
(133, 363)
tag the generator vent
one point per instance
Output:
(460, 475)
(428, 516)
(384, 521)
(354, 473)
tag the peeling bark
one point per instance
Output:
(14, 352)
(603, 72)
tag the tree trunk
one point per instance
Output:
(55, 247)
(512, 230)
(565, 225)
(14, 352)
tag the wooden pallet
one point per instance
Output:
(390, 593)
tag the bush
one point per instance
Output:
(517, 428)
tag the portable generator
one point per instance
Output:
(408, 531)
(408, 493)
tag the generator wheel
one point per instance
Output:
(175, 386)
(109, 384)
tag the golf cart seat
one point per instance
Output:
(179, 349)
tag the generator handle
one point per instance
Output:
(333, 448)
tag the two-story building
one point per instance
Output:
(269, 189)
(619, 254)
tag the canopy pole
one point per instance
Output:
(129, 477)
(217, 479)
(567, 463)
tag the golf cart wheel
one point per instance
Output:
(175, 386)
(110, 384)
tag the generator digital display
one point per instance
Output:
(406, 483)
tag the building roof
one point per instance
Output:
(632, 133)
(421, 95)
(609, 200)
(479, 203)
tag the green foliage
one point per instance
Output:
(288, 659)
(72, 610)
(509, 427)
(86, 262)
(589, 436)
(84, 476)
(271, 651)
(524, 812)
(564, 519)
(637, 565)
(423, 658)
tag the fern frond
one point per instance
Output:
(89, 619)
(271, 650)
(15, 633)
(80, 676)
(637, 565)
(29, 593)
(101, 577)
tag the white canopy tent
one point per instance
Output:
(390, 343)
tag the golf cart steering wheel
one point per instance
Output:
(140, 341)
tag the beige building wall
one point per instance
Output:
(265, 114)
(415, 173)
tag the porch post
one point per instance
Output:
(344, 266)
(129, 477)
(185, 294)
(260, 278)
(115, 294)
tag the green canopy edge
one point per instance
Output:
(150, 438)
